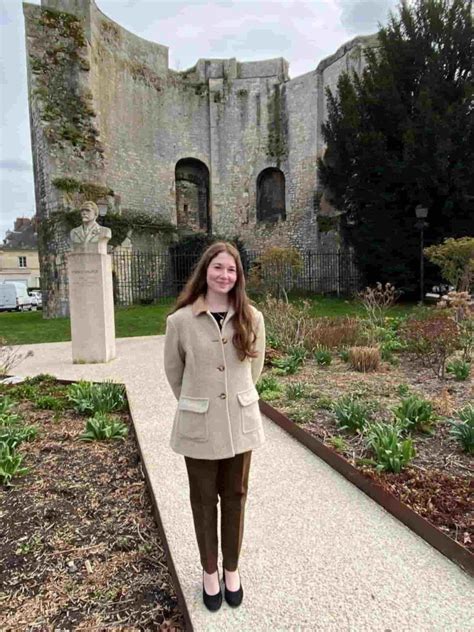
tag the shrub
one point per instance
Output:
(455, 257)
(332, 333)
(10, 464)
(275, 270)
(364, 359)
(387, 338)
(286, 324)
(377, 301)
(466, 338)
(464, 431)
(323, 357)
(457, 303)
(351, 413)
(432, 339)
(392, 452)
(103, 426)
(295, 390)
(459, 369)
(91, 398)
(415, 413)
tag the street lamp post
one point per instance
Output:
(421, 215)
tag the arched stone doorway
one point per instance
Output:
(271, 195)
(192, 195)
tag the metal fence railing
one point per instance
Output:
(147, 277)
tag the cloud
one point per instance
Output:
(15, 165)
(363, 16)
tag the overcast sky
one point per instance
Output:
(303, 32)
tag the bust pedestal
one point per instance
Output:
(91, 304)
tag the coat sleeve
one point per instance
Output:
(257, 363)
(174, 358)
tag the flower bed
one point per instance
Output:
(395, 422)
(80, 546)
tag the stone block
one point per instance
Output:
(91, 305)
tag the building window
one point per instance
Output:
(22, 262)
(271, 196)
(192, 195)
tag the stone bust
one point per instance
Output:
(90, 236)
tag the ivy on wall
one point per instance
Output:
(327, 223)
(277, 146)
(90, 190)
(65, 107)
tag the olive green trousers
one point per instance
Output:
(228, 479)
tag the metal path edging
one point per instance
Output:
(431, 534)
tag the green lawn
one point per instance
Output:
(31, 327)
(142, 320)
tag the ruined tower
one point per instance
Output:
(226, 147)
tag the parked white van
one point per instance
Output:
(14, 297)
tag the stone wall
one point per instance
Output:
(123, 120)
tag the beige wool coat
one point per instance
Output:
(217, 415)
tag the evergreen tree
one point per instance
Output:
(401, 134)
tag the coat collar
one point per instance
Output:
(200, 306)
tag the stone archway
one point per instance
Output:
(192, 195)
(271, 195)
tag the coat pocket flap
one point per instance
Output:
(193, 404)
(248, 397)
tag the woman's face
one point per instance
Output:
(222, 273)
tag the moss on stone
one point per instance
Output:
(277, 146)
(91, 190)
(67, 25)
(110, 31)
(141, 72)
(327, 223)
(63, 104)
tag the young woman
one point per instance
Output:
(214, 354)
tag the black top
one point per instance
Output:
(219, 318)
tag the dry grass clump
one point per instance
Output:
(444, 403)
(332, 333)
(364, 359)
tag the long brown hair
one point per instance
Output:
(244, 336)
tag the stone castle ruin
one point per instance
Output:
(224, 147)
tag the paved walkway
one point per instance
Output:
(318, 554)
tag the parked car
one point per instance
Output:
(36, 298)
(14, 297)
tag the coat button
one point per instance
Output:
(224, 341)
(221, 368)
(223, 396)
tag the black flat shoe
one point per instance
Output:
(233, 597)
(212, 602)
